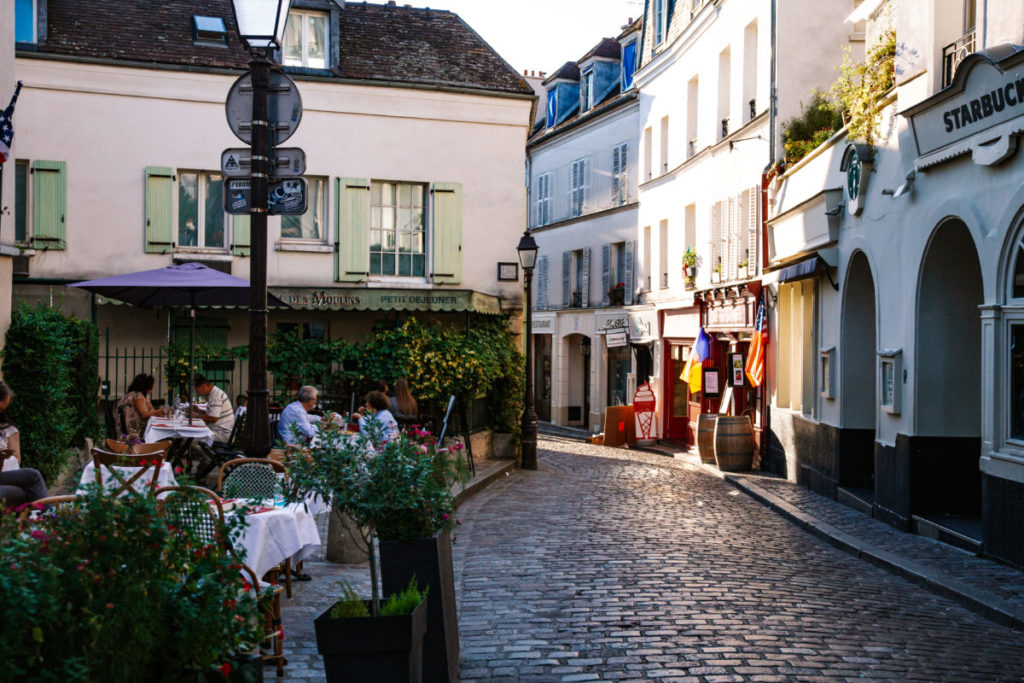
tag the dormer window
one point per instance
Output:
(24, 21)
(659, 21)
(628, 64)
(305, 40)
(552, 107)
(209, 31)
(587, 90)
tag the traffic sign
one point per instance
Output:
(285, 196)
(286, 162)
(284, 107)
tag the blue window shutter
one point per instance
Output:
(606, 274)
(585, 265)
(541, 296)
(552, 107)
(630, 286)
(566, 278)
(628, 65)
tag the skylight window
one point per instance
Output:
(209, 30)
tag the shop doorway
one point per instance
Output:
(681, 407)
(856, 451)
(577, 355)
(944, 476)
(542, 376)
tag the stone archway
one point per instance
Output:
(859, 413)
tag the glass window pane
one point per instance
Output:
(404, 242)
(389, 240)
(388, 264)
(24, 21)
(417, 265)
(387, 218)
(404, 264)
(417, 242)
(1018, 275)
(404, 219)
(417, 219)
(375, 193)
(417, 196)
(375, 240)
(375, 217)
(1017, 381)
(314, 212)
(213, 232)
(374, 263)
(291, 227)
(292, 49)
(317, 37)
(403, 195)
(20, 201)
(188, 209)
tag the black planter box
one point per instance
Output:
(379, 649)
(430, 561)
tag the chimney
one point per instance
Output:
(391, 3)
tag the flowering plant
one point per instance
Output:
(397, 490)
(618, 288)
(109, 590)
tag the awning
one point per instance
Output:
(364, 299)
(801, 270)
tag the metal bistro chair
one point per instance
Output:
(200, 510)
(145, 463)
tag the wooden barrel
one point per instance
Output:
(706, 437)
(734, 443)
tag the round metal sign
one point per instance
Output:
(284, 107)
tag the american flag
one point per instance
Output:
(755, 355)
(7, 126)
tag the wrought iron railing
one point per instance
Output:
(953, 54)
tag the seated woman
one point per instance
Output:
(136, 407)
(18, 485)
(376, 410)
(403, 405)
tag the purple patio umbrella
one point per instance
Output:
(186, 284)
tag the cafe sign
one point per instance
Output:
(362, 299)
(973, 114)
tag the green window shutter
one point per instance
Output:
(240, 228)
(159, 201)
(49, 207)
(447, 258)
(351, 214)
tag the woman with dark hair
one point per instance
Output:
(17, 484)
(136, 407)
(403, 405)
(376, 410)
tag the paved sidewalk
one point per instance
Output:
(986, 586)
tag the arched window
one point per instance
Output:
(1017, 283)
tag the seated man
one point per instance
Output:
(297, 425)
(218, 416)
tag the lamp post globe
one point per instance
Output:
(261, 25)
(528, 259)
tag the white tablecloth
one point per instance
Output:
(158, 429)
(164, 478)
(276, 535)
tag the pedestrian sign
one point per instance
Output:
(285, 162)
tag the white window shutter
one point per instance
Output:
(733, 238)
(716, 230)
(630, 283)
(753, 225)
(606, 265)
(566, 278)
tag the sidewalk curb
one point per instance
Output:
(480, 484)
(980, 601)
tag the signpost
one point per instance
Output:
(285, 196)
(286, 162)
(284, 107)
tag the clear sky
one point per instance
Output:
(540, 35)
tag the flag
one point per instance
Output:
(755, 355)
(698, 354)
(7, 126)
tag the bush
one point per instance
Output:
(862, 86)
(817, 122)
(54, 380)
(109, 591)
(85, 381)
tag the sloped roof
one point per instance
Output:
(568, 71)
(608, 48)
(387, 43)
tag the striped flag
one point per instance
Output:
(755, 355)
(7, 126)
(692, 373)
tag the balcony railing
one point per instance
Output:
(953, 54)
(753, 109)
(725, 127)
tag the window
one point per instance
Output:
(552, 107)
(648, 151)
(310, 225)
(578, 191)
(663, 252)
(647, 257)
(577, 285)
(201, 217)
(664, 144)
(544, 199)
(724, 89)
(691, 117)
(576, 278)
(659, 21)
(305, 40)
(1017, 382)
(397, 240)
(620, 176)
(619, 263)
(750, 69)
(209, 30)
(795, 385)
(587, 90)
(20, 201)
(24, 21)
(628, 64)
(307, 330)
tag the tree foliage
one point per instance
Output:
(862, 86)
(818, 121)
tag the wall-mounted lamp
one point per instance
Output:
(585, 346)
(906, 188)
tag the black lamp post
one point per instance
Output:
(261, 26)
(528, 258)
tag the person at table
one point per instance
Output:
(18, 484)
(403, 405)
(136, 406)
(219, 416)
(298, 423)
(377, 410)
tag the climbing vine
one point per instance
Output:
(862, 86)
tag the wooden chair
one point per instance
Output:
(200, 510)
(145, 463)
(149, 448)
(43, 503)
(115, 446)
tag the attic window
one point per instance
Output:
(587, 90)
(209, 30)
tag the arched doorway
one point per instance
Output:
(944, 477)
(859, 413)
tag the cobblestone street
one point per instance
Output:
(618, 565)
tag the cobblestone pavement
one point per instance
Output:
(620, 565)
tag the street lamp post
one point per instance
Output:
(261, 26)
(528, 258)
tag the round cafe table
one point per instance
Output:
(276, 533)
(160, 428)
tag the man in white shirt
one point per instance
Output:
(297, 425)
(218, 416)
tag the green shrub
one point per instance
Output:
(85, 381)
(817, 122)
(406, 601)
(349, 604)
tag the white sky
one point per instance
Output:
(540, 35)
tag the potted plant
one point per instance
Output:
(109, 590)
(356, 646)
(743, 268)
(690, 266)
(716, 273)
(617, 294)
(400, 492)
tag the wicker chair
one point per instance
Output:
(249, 478)
(200, 510)
(146, 463)
(37, 506)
